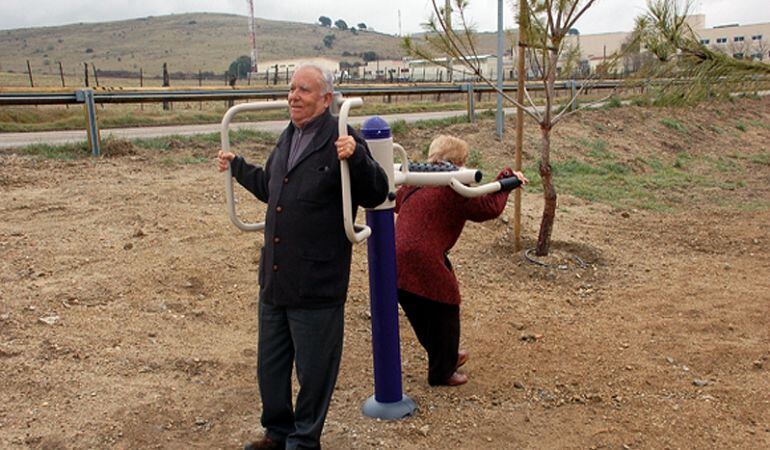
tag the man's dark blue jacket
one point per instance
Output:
(305, 261)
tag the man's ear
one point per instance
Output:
(328, 99)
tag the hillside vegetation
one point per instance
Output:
(187, 42)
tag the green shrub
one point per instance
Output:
(674, 125)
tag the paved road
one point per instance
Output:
(12, 140)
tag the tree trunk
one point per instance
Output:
(549, 195)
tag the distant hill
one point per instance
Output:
(188, 43)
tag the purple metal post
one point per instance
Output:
(381, 249)
(388, 401)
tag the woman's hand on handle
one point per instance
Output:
(224, 159)
(507, 173)
(520, 176)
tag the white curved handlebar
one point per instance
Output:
(404, 158)
(462, 174)
(356, 233)
(475, 191)
(225, 141)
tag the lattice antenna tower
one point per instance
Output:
(252, 36)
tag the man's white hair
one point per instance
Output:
(327, 79)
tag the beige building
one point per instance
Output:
(740, 41)
(427, 70)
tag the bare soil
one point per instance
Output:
(127, 313)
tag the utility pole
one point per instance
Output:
(253, 37)
(500, 116)
(523, 25)
(448, 20)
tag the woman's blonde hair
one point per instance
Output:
(449, 149)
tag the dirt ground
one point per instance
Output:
(128, 320)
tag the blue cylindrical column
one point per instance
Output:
(381, 250)
(388, 401)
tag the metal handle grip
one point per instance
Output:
(225, 142)
(356, 233)
(475, 191)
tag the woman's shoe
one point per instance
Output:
(457, 379)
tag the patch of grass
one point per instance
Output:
(597, 148)
(440, 123)
(751, 206)
(62, 152)
(760, 158)
(658, 186)
(642, 100)
(722, 164)
(758, 124)
(741, 126)
(116, 146)
(674, 124)
(682, 160)
(194, 160)
(204, 140)
(475, 159)
(486, 114)
(21, 120)
(614, 102)
(399, 127)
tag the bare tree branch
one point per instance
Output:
(565, 112)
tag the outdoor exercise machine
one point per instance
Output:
(389, 401)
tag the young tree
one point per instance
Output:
(329, 40)
(325, 21)
(545, 28)
(240, 67)
(761, 50)
(341, 24)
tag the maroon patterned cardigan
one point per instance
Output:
(430, 220)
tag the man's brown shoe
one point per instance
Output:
(462, 358)
(264, 444)
(457, 379)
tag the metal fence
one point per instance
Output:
(90, 97)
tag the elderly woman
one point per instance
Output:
(430, 220)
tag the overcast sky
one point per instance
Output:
(605, 16)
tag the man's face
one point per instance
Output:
(306, 102)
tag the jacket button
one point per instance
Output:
(276, 239)
(285, 180)
(275, 268)
(279, 208)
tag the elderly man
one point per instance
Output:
(304, 265)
